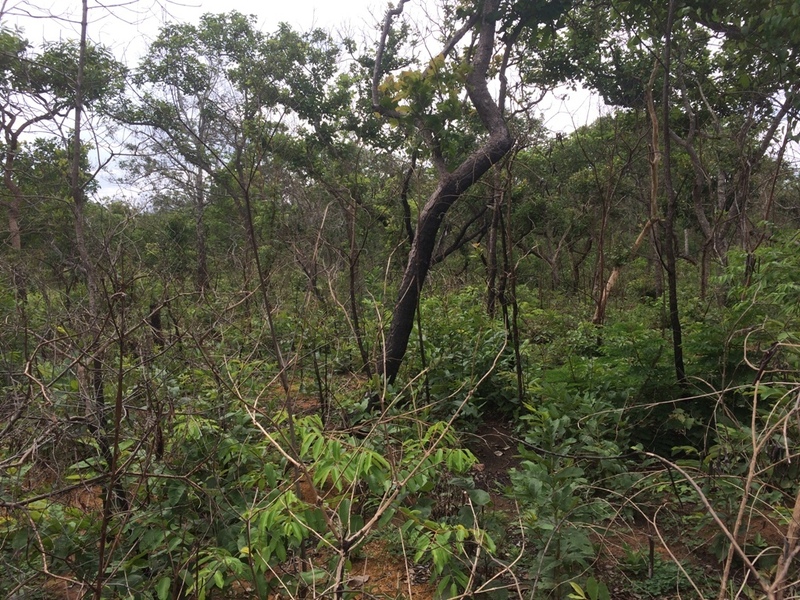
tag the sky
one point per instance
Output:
(127, 26)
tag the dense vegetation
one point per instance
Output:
(343, 262)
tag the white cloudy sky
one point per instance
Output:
(126, 26)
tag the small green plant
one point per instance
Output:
(452, 545)
(557, 517)
(571, 440)
(594, 590)
(667, 580)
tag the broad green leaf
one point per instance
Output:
(163, 588)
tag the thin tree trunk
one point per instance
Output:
(510, 297)
(672, 205)
(491, 256)
(404, 197)
(87, 265)
(353, 262)
(92, 351)
(247, 213)
(15, 202)
(654, 158)
(598, 286)
(202, 277)
(13, 205)
(600, 312)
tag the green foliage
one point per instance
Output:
(49, 76)
(570, 442)
(557, 519)
(667, 577)
(450, 548)
(467, 355)
(616, 368)
(594, 590)
(227, 483)
(225, 506)
(429, 99)
(452, 543)
(764, 297)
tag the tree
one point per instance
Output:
(185, 90)
(42, 172)
(37, 91)
(420, 90)
(709, 80)
(220, 101)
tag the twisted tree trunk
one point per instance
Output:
(452, 185)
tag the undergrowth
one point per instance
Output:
(223, 484)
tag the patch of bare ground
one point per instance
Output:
(494, 445)
(382, 573)
(64, 589)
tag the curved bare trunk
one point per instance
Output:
(450, 188)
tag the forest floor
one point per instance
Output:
(384, 568)
(635, 559)
(385, 573)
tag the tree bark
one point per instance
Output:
(600, 311)
(14, 203)
(450, 188)
(491, 257)
(13, 206)
(353, 261)
(201, 276)
(672, 206)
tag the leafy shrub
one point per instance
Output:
(667, 579)
(467, 354)
(571, 444)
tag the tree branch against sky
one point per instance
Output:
(127, 27)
